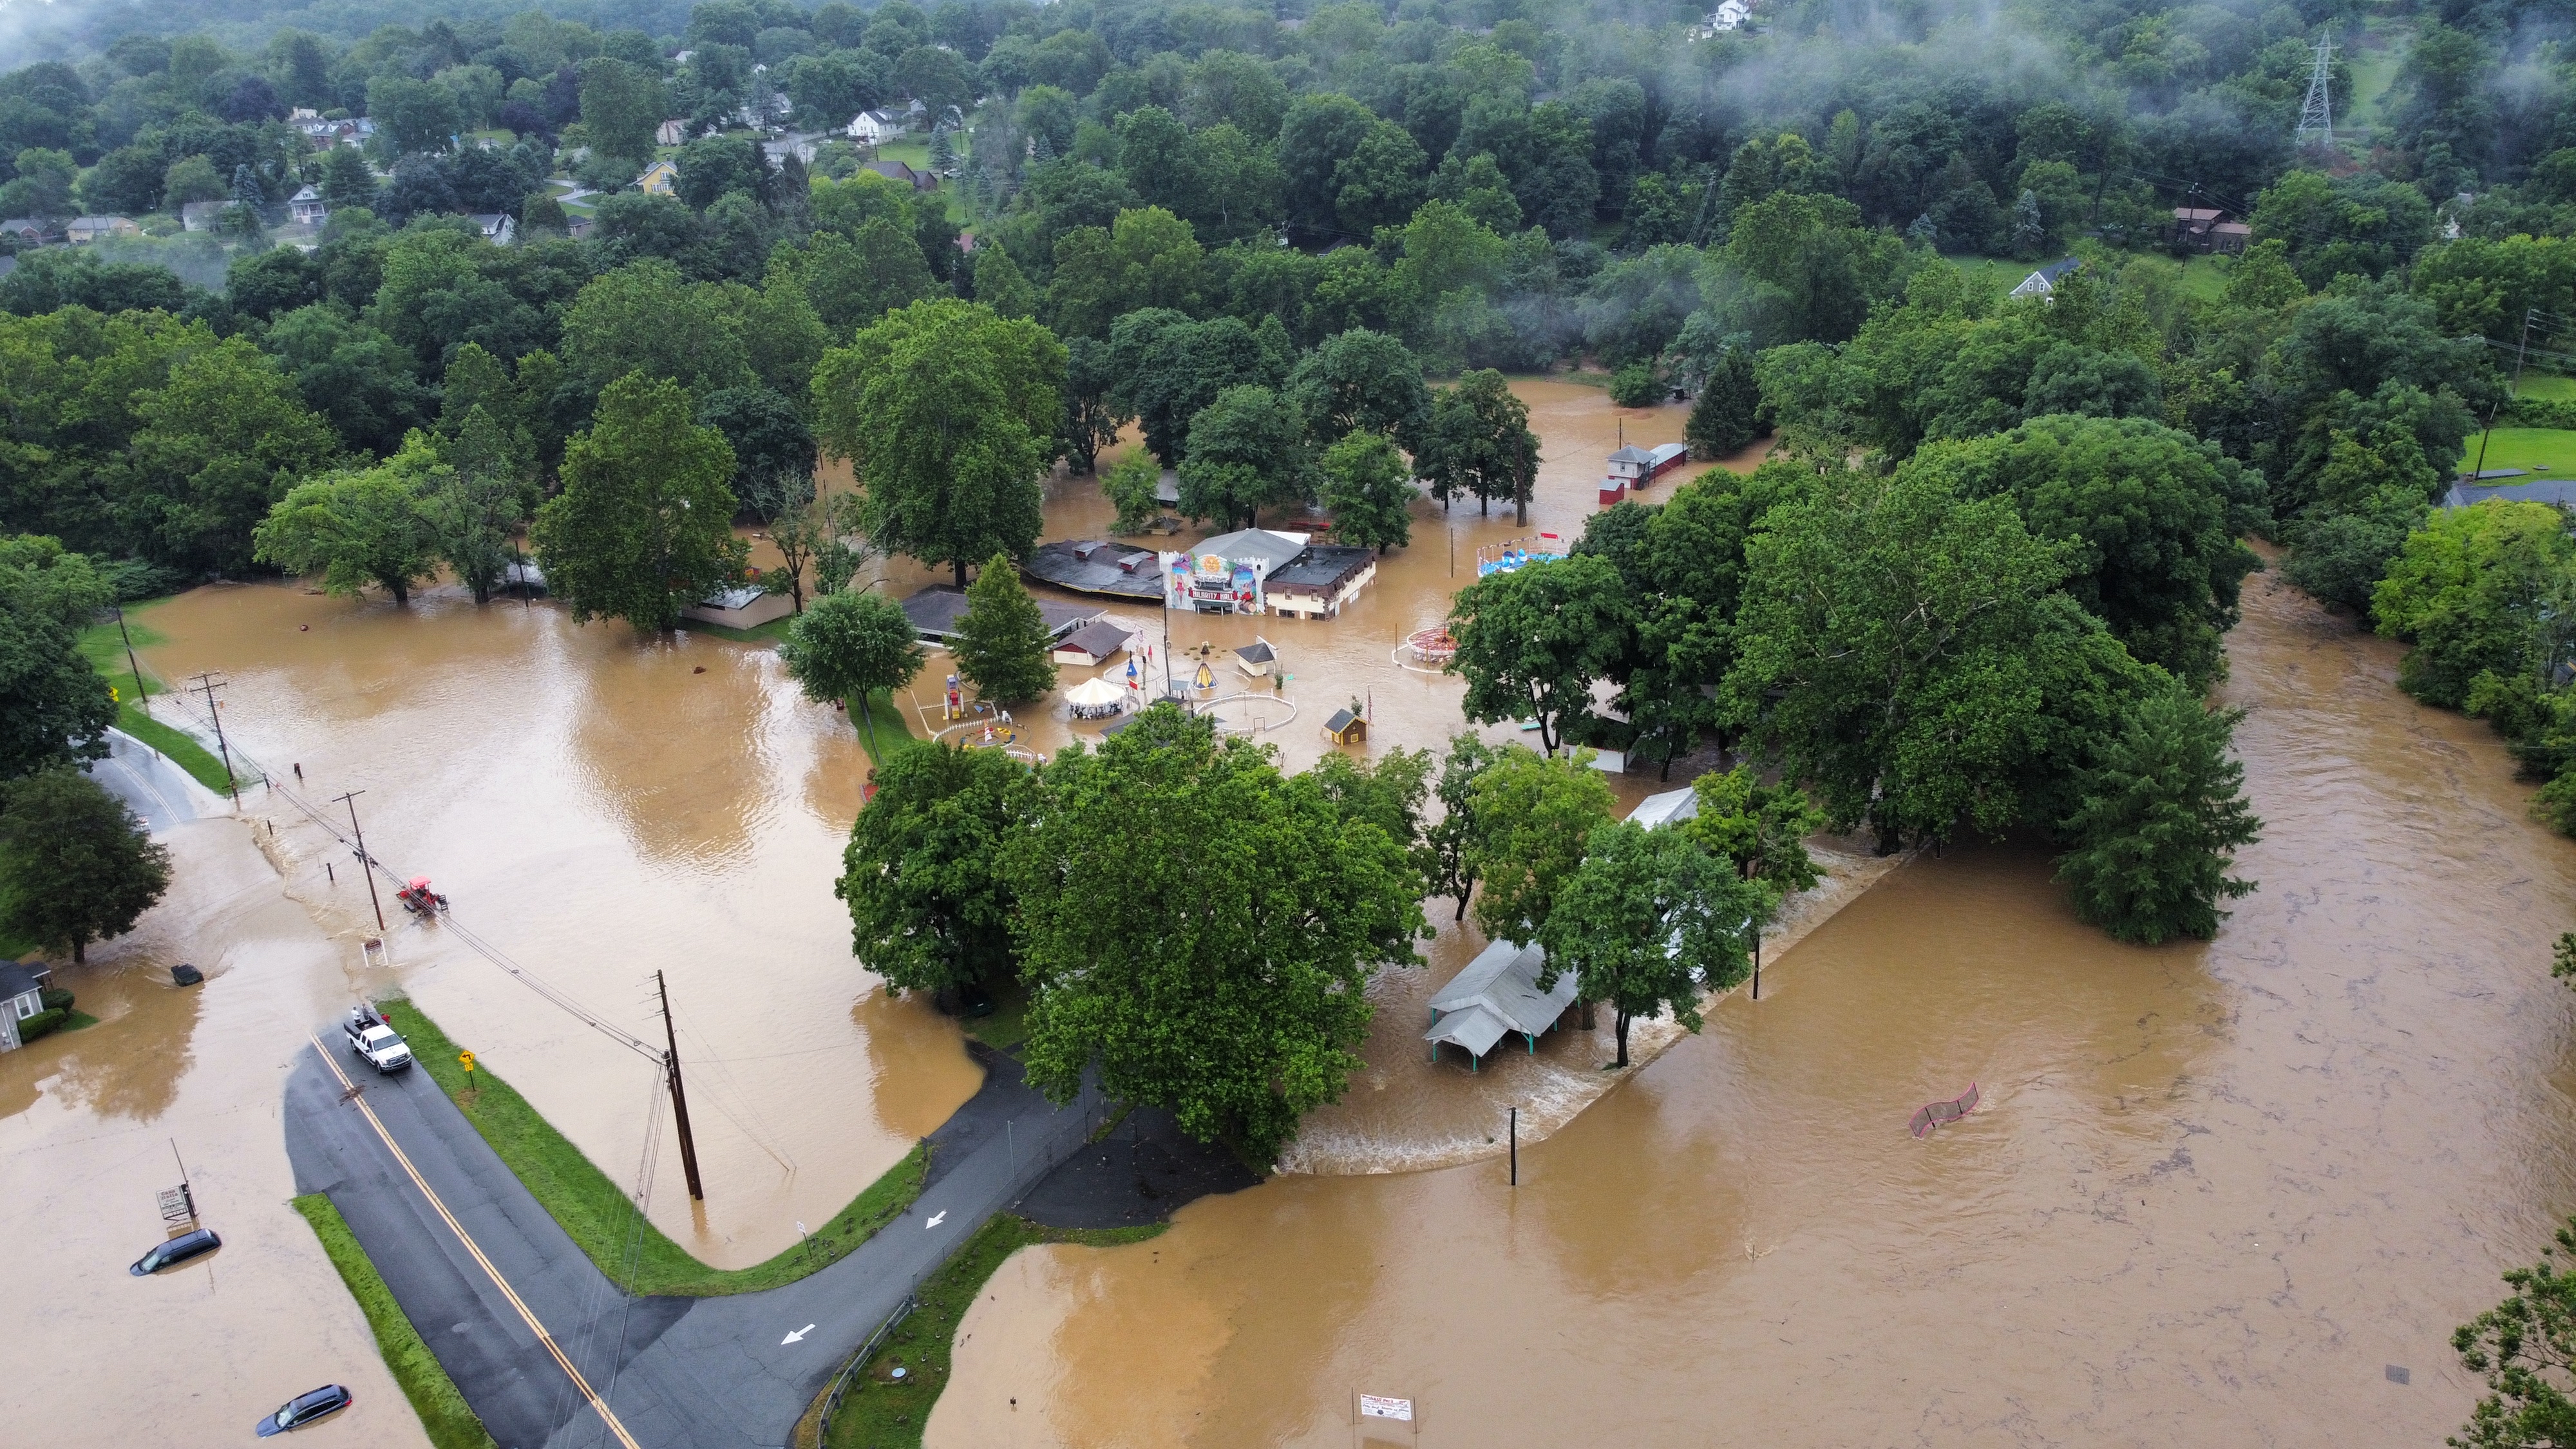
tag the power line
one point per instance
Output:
(2316, 119)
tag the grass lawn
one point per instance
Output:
(597, 1213)
(13, 948)
(882, 1412)
(1008, 1026)
(2547, 387)
(916, 154)
(2534, 448)
(443, 1412)
(105, 650)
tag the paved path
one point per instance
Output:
(671, 1372)
(160, 792)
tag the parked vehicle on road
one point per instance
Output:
(187, 1247)
(306, 1408)
(374, 1040)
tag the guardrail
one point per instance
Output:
(858, 1361)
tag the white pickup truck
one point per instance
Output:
(375, 1042)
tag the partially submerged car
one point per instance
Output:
(306, 1408)
(185, 1248)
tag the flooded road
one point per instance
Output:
(600, 807)
(2213, 1192)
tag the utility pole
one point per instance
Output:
(1757, 965)
(207, 684)
(1516, 1146)
(2316, 119)
(679, 1097)
(142, 692)
(2520, 350)
(365, 865)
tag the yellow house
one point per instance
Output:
(659, 179)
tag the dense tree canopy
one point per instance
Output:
(75, 865)
(643, 527)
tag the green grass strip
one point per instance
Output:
(443, 1413)
(882, 1412)
(104, 648)
(597, 1213)
(885, 725)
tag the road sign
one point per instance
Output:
(1374, 1407)
(467, 1058)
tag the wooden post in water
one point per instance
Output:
(679, 1096)
(1516, 1146)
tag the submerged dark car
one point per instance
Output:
(184, 1248)
(305, 1409)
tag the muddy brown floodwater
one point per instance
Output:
(2212, 1193)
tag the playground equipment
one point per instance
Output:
(1939, 1114)
(1511, 553)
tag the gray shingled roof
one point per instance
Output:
(1498, 992)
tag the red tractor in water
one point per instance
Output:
(419, 899)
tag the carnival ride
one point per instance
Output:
(1433, 647)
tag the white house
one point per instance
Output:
(671, 133)
(740, 607)
(497, 228)
(875, 126)
(22, 995)
(2043, 283)
(306, 206)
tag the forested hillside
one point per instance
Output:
(1257, 233)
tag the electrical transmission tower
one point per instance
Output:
(2316, 119)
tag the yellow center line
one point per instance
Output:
(539, 1329)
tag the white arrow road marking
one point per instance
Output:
(935, 1217)
(793, 1337)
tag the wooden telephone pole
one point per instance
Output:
(365, 866)
(679, 1097)
(207, 684)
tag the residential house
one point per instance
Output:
(740, 607)
(2043, 283)
(22, 995)
(1094, 644)
(659, 179)
(98, 228)
(873, 127)
(2205, 229)
(936, 610)
(306, 206)
(30, 231)
(671, 133)
(496, 226)
(897, 171)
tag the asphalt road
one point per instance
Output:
(672, 1372)
(160, 792)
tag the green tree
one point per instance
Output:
(2155, 515)
(39, 575)
(2525, 1347)
(827, 529)
(220, 442)
(412, 116)
(1910, 656)
(1361, 381)
(1246, 452)
(359, 526)
(1479, 443)
(1723, 420)
(1003, 646)
(1532, 640)
(1092, 420)
(1148, 258)
(773, 450)
(948, 414)
(930, 902)
(1000, 285)
(1761, 830)
(54, 708)
(644, 318)
(1647, 922)
(475, 506)
(2161, 813)
(2480, 591)
(1452, 839)
(854, 281)
(851, 644)
(644, 525)
(75, 865)
(1217, 962)
(621, 106)
(1130, 485)
(1532, 818)
(1368, 488)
